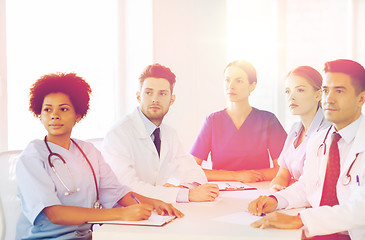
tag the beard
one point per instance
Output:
(155, 115)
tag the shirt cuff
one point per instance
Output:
(183, 196)
(282, 202)
(304, 228)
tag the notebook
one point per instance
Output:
(154, 220)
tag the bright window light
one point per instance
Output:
(45, 36)
(252, 36)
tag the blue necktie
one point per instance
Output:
(157, 140)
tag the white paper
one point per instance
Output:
(242, 218)
(154, 220)
(226, 186)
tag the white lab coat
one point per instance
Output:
(350, 213)
(132, 155)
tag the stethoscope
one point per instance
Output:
(97, 204)
(348, 178)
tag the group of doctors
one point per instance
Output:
(63, 182)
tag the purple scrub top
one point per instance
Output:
(240, 149)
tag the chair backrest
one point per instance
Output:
(10, 203)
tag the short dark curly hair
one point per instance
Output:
(70, 84)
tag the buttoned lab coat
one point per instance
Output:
(133, 156)
(350, 213)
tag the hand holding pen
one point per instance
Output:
(161, 207)
(136, 199)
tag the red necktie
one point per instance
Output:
(329, 193)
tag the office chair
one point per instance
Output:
(10, 203)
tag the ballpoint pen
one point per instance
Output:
(134, 197)
(357, 180)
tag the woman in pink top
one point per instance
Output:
(240, 139)
(303, 91)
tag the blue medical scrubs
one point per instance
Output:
(39, 187)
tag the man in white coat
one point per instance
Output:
(145, 153)
(343, 94)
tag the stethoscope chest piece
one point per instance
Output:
(98, 205)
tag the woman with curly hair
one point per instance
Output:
(63, 182)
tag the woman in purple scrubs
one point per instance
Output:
(303, 91)
(241, 139)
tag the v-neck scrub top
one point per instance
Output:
(39, 187)
(240, 149)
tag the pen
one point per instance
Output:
(357, 180)
(196, 184)
(134, 197)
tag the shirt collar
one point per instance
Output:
(316, 122)
(150, 126)
(348, 133)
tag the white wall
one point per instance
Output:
(194, 38)
(3, 82)
(197, 39)
(189, 37)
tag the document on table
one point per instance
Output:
(154, 220)
(246, 218)
(233, 186)
(242, 218)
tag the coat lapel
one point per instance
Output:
(164, 143)
(142, 134)
(357, 147)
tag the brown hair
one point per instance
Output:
(313, 77)
(158, 71)
(245, 66)
(348, 67)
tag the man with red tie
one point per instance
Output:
(333, 178)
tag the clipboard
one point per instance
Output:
(155, 220)
(233, 186)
